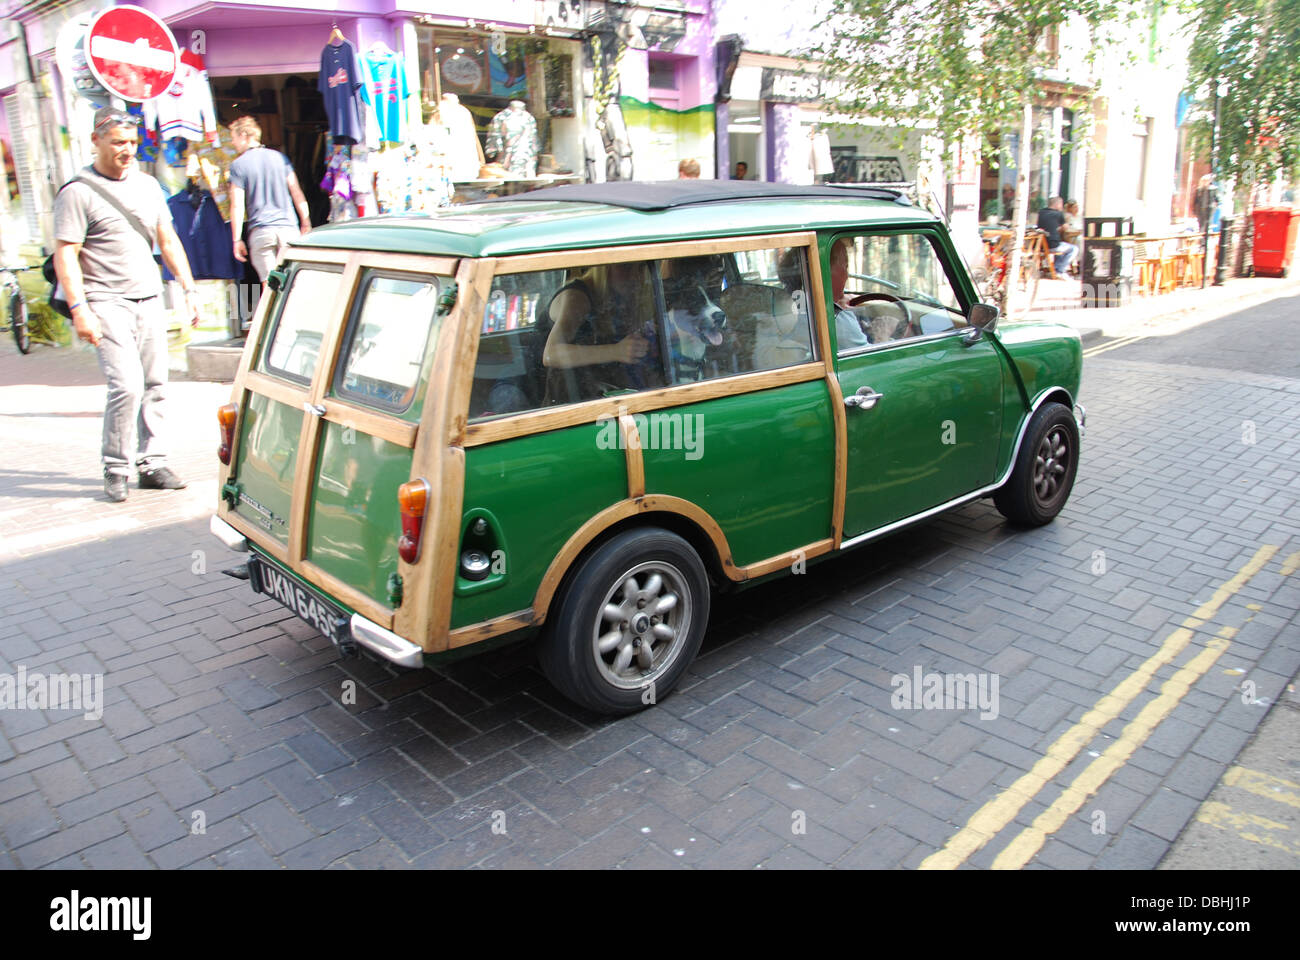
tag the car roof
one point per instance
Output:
(612, 214)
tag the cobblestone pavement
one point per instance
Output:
(781, 748)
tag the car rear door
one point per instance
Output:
(338, 374)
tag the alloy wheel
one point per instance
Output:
(642, 624)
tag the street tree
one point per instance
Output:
(1245, 54)
(966, 70)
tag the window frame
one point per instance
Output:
(366, 274)
(542, 419)
(296, 268)
(945, 260)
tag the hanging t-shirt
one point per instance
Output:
(338, 83)
(383, 87)
(186, 108)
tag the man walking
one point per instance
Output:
(106, 223)
(262, 183)
(1050, 220)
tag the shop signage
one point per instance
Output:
(852, 167)
(131, 52)
(795, 86)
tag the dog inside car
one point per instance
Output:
(695, 322)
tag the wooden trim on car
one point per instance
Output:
(487, 629)
(425, 613)
(784, 561)
(836, 396)
(589, 411)
(589, 531)
(407, 263)
(384, 426)
(306, 255)
(255, 534)
(242, 373)
(345, 594)
(631, 439)
(567, 259)
(309, 436)
(290, 394)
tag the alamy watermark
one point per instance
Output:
(53, 691)
(946, 691)
(654, 431)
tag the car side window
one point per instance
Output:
(732, 313)
(300, 325)
(889, 288)
(556, 337)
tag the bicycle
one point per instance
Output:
(17, 304)
(999, 257)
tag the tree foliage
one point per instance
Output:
(1251, 50)
(963, 68)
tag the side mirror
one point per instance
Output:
(984, 316)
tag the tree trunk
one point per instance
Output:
(1015, 308)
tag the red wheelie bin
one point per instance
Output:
(1275, 230)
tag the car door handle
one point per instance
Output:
(864, 399)
(315, 409)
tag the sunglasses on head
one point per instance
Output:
(115, 120)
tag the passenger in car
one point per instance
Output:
(848, 330)
(602, 328)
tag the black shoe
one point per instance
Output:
(115, 486)
(160, 478)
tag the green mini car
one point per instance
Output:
(575, 413)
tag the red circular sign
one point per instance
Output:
(132, 53)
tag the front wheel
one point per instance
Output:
(629, 623)
(1043, 475)
(18, 320)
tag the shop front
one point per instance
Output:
(782, 124)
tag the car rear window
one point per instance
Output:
(300, 325)
(385, 358)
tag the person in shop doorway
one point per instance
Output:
(106, 223)
(263, 187)
(742, 170)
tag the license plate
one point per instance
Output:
(266, 578)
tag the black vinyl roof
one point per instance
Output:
(667, 194)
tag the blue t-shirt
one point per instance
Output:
(384, 89)
(338, 83)
(264, 175)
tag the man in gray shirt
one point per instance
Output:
(113, 286)
(263, 184)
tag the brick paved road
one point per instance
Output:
(223, 707)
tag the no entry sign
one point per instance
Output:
(131, 52)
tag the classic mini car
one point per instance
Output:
(571, 415)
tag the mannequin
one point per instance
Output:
(513, 141)
(464, 150)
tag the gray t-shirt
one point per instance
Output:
(115, 260)
(264, 175)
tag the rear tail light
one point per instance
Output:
(412, 499)
(227, 416)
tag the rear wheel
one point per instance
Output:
(1043, 476)
(629, 622)
(18, 321)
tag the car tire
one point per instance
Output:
(628, 623)
(1043, 475)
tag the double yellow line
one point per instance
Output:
(1113, 344)
(993, 817)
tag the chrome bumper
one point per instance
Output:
(385, 643)
(227, 534)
